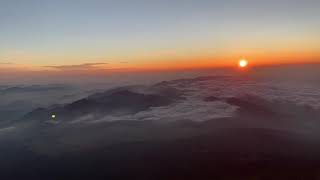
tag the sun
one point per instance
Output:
(243, 63)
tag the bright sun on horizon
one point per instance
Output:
(243, 63)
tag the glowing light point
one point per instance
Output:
(53, 116)
(243, 63)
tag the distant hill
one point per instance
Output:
(119, 101)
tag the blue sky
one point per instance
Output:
(45, 32)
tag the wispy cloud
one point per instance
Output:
(7, 129)
(79, 67)
(5, 63)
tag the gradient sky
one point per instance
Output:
(57, 34)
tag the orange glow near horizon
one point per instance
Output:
(164, 63)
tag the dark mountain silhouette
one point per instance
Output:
(120, 101)
(252, 106)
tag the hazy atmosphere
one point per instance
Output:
(180, 89)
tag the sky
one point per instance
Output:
(64, 35)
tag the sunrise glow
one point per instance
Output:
(186, 37)
(243, 63)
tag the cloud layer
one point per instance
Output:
(80, 67)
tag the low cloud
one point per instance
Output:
(7, 129)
